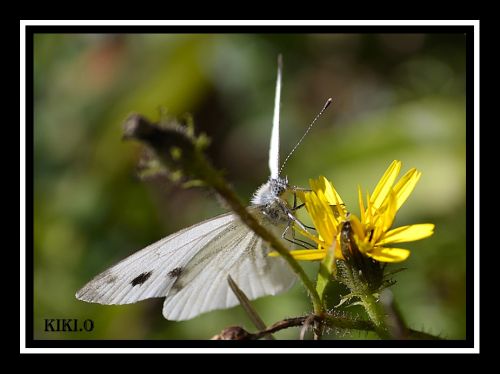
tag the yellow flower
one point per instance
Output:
(372, 232)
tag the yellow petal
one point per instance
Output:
(340, 212)
(317, 184)
(390, 212)
(377, 234)
(331, 193)
(408, 233)
(322, 217)
(357, 228)
(326, 187)
(369, 211)
(385, 184)
(361, 204)
(303, 195)
(308, 235)
(405, 186)
(306, 254)
(382, 254)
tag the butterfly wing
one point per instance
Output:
(152, 271)
(191, 267)
(203, 286)
(274, 149)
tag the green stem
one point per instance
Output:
(376, 314)
(347, 323)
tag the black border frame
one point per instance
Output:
(31, 30)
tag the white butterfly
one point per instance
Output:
(190, 268)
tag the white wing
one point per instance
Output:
(204, 287)
(151, 271)
(191, 267)
(274, 149)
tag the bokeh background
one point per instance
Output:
(396, 96)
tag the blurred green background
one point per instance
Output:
(395, 96)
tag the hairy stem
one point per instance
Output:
(376, 314)
(329, 320)
(326, 319)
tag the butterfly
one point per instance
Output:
(190, 268)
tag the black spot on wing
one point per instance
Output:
(175, 273)
(178, 284)
(140, 279)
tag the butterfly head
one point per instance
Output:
(270, 191)
(278, 185)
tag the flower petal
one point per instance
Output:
(408, 233)
(385, 184)
(322, 216)
(369, 219)
(306, 254)
(382, 254)
(361, 204)
(324, 185)
(331, 193)
(390, 212)
(302, 195)
(318, 184)
(308, 235)
(405, 186)
(357, 227)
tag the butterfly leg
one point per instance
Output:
(308, 245)
(297, 207)
(294, 240)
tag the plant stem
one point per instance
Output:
(376, 314)
(347, 323)
(248, 307)
(330, 320)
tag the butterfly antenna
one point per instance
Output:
(327, 104)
